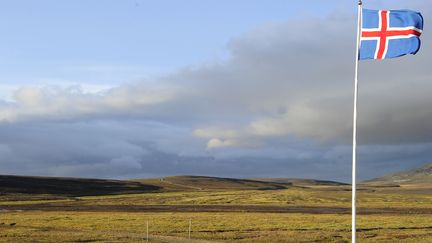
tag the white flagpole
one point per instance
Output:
(354, 152)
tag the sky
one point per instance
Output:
(138, 89)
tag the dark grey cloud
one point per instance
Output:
(279, 106)
(137, 149)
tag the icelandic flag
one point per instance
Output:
(390, 33)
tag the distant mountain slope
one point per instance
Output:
(74, 187)
(419, 175)
(69, 186)
(181, 183)
(302, 182)
(34, 185)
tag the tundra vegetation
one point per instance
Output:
(220, 209)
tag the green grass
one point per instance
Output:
(410, 223)
(242, 227)
(322, 197)
(290, 197)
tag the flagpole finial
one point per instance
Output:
(360, 2)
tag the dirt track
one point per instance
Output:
(208, 208)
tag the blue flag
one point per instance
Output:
(390, 33)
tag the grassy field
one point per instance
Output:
(220, 227)
(409, 197)
(221, 210)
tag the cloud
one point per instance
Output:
(281, 105)
(301, 86)
(57, 103)
(217, 143)
(126, 162)
(275, 84)
(4, 150)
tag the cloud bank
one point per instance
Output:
(279, 106)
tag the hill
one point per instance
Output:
(73, 187)
(69, 186)
(302, 182)
(416, 176)
(188, 183)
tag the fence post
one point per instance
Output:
(190, 228)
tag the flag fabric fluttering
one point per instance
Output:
(390, 33)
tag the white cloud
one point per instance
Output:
(217, 143)
(51, 103)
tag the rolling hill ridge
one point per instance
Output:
(75, 187)
(415, 176)
(69, 186)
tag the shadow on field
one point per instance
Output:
(70, 186)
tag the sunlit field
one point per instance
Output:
(312, 214)
(228, 227)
